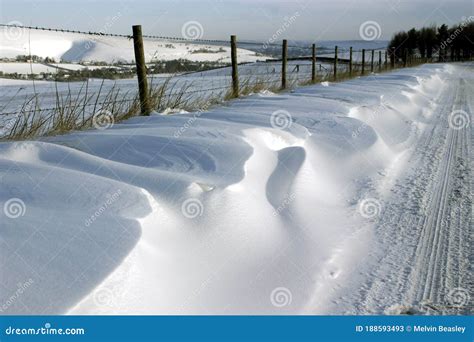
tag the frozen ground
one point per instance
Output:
(342, 198)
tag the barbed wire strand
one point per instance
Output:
(274, 73)
(169, 38)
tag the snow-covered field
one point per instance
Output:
(75, 47)
(15, 93)
(26, 68)
(353, 197)
(37, 68)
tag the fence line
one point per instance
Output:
(146, 36)
(283, 73)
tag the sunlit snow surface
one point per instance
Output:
(250, 208)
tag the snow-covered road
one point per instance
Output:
(424, 255)
(353, 197)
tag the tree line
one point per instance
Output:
(443, 42)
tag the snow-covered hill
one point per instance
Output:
(74, 47)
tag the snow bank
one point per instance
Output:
(248, 208)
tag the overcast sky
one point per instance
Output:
(249, 19)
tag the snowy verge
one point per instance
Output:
(253, 207)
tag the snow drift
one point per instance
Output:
(249, 208)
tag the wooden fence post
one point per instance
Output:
(284, 59)
(141, 70)
(313, 62)
(386, 60)
(363, 61)
(235, 72)
(392, 58)
(380, 60)
(335, 63)
(350, 61)
(372, 62)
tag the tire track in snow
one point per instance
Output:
(438, 270)
(423, 232)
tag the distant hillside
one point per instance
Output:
(73, 47)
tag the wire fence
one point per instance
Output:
(287, 66)
(156, 37)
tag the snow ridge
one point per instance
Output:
(135, 220)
